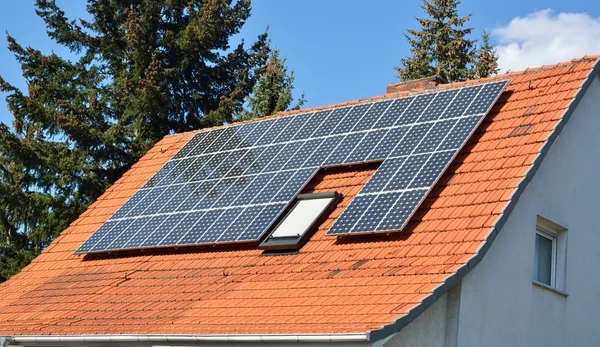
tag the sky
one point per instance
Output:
(346, 49)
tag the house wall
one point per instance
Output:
(437, 326)
(497, 303)
(500, 306)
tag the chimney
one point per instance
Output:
(430, 82)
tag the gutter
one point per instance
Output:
(79, 339)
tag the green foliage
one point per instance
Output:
(273, 91)
(486, 64)
(144, 69)
(13, 259)
(441, 47)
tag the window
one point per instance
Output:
(550, 259)
(297, 225)
(545, 258)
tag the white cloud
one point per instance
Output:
(546, 38)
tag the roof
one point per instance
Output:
(374, 284)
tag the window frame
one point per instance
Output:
(553, 237)
(560, 235)
(294, 243)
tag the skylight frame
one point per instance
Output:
(295, 242)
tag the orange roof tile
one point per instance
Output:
(332, 285)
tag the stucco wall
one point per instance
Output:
(499, 304)
(437, 326)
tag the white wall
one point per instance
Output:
(437, 326)
(499, 304)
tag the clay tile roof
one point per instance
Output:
(329, 287)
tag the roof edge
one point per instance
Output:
(77, 339)
(390, 329)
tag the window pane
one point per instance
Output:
(543, 259)
(301, 217)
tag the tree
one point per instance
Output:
(273, 91)
(486, 63)
(441, 47)
(143, 69)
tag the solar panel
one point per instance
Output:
(231, 183)
(422, 153)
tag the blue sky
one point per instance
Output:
(345, 49)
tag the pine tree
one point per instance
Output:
(273, 91)
(486, 63)
(441, 47)
(143, 69)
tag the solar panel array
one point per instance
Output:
(230, 184)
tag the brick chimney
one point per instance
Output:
(430, 82)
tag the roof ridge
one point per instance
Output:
(385, 96)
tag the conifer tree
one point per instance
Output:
(486, 63)
(273, 90)
(441, 47)
(143, 69)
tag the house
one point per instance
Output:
(502, 251)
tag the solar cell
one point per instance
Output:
(384, 147)
(393, 113)
(139, 237)
(262, 222)
(271, 135)
(223, 137)
(273, 186)
(220, 225)
(323, 151)
(361, 151)
(346, 124)
(312, 124)
(197, 140)
(239, 140)
(416, 109)
(352, 214)
(259, 130)
(342, 151)
(106, 239)
(435, 136)
(193, 233)
(373, 115)
(167, 226)
(304, 152)
(298, 122)
(438, 106)
(331, 122)
(374, 214)
(128, 232)
(411, 141)
(461, 102)
(293, 185)
(186, 223)
(401, 211)
(404, 174)
(229, 184)
(284, 155)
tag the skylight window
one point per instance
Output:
(301, 220)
